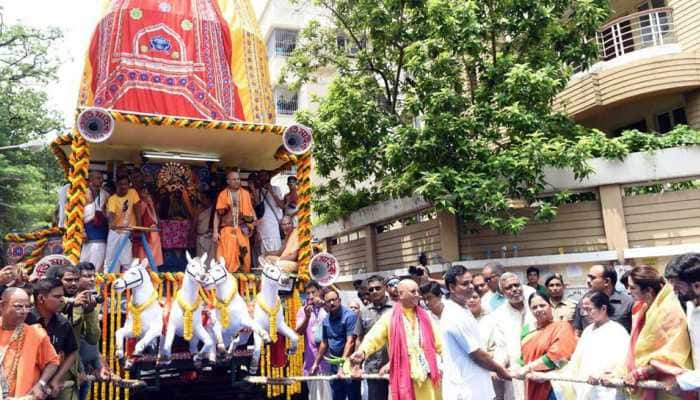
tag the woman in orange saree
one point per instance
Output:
(546, 346)
(660, 346)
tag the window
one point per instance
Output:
(666, 121)
(285, 101)
(653, 26)
(347, 44)
(282, 42)
(640, 125)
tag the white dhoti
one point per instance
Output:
(113, 240)
(319, 390)
(94, 252)
(269, 231)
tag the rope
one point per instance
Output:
(291, 380)
(77, 198)
(611, 382)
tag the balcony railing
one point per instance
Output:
(634, 32)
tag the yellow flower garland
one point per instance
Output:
(188, 309)
(136, 311)
(271, 313)
(222, 305)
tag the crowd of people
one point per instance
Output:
(488, 335)
(234, 222)
(50, 332)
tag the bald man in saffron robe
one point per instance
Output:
(234, 213)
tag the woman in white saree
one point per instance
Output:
(602, 348)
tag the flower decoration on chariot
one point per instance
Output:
(176, 177)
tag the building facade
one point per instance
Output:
(647, 77)
(281, 23)
(648, 73)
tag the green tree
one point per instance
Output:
(448, 99)
(29, 178)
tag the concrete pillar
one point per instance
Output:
(692, 109)
(449, 236)
(370, 248)
(614, 218)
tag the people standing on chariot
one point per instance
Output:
(121, 213)
(96, 227)
(269, 227)
(233, 224)
(204, 219)
(149, 219)
(287, 258)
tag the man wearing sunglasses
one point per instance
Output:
(379, 305)
(392, 287)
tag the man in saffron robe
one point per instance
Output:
(29, 360)
(414, 344)
(234, 211)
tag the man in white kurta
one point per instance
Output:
(463, 379)
(466, 364)
(269, 225)
(691, 275)
(95, 218)
(508, 320)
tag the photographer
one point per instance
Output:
(85, 321)
(309, 323)
(46, 312)
(421, 275)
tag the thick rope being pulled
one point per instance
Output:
(613, 383)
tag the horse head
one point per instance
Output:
(217, 271)
(273, 274)
(133, 277)
(197, 269)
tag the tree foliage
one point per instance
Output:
(29, 179)
(449, 99)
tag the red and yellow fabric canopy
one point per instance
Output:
(188, 61)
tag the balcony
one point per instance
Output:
(635, 32)
(641, 55)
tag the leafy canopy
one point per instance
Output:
(448, 99)
(29, 179)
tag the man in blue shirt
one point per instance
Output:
(338, 338)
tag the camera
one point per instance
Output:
(99, 299)
(413, 270)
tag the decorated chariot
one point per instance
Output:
(179, 91)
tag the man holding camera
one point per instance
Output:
(86, 326)
(81, 310)
(310, 324)
(46, 312)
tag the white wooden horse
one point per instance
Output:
(231, 310)
(145, 315)
(268, 307)
(185, 318)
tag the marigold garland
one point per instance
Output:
(77, 198)
(271, 313)
(222, 305)
(188, 311)
(136, 313)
